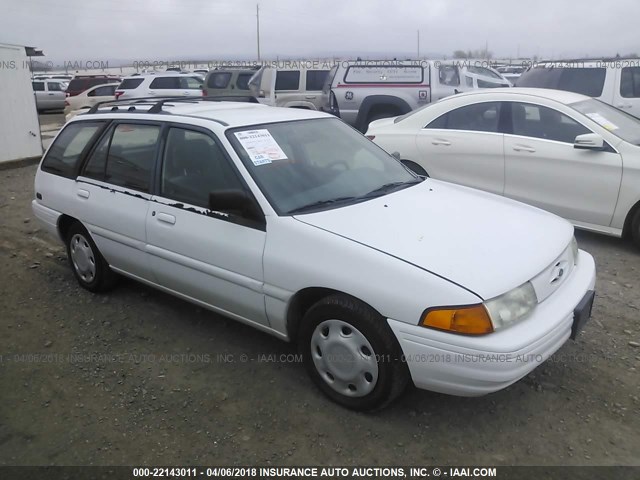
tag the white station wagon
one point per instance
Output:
(296, 224)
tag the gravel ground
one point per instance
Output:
(139, 377)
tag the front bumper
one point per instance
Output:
(472, 366)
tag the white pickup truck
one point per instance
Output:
(362, 91)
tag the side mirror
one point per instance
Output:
(237, 202)
(396, 155)
(589, 141)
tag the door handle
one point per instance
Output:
(445, 143)
(166, 218)
(310, 97)
(83, 193)
(524, 148)
(52, 94)
(624, 105)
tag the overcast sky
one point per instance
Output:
(80, 30)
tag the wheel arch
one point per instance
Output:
(303, 300)
(64, 224)
(626, 229)
(374, 103)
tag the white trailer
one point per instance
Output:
(19, 126)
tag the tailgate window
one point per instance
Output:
(130, 83)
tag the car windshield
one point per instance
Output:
(620, 123)
(311, 165)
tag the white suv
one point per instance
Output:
(166, 84)
(292, 222)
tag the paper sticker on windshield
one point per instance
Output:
(596, 117)
(261, 147)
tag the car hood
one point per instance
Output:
(480, 241)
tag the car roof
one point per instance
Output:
(561, 96)
(162, 74)
(229, 114)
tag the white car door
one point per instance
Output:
(101, 93)
(465, 146)
(212, 257)
(626, 94)
(55, 95)
(543, 168)
(112, 194)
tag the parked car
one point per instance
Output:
(299, 87)
(564, 152)
(614, 81)
(89, 98)
(227, 81)
(292, 222)
(360, 92)
(80, 83)
(161, 84)
(50, 94)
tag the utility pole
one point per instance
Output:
(258, 27)
(418, 44)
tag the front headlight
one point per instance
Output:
(574, 250)
(511, 306)
(483, 318)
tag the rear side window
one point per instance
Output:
(218, 80)
(165, 83)
(77, 85)
(316, 79)
(449, 75)
(242, 83)
(65, 154)
(130, 83)
(38, 86)
(630, 82)
(108, 91)
(479, 117)
(288, 80)
(587, 81)
(54, 87)
(131, 156)
(190, 83)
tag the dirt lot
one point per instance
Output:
(139, 377)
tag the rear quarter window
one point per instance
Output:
(130, 83)
(218, 79)
(66, 152)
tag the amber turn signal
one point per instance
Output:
(470, 320)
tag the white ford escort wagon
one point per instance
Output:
(294, 223)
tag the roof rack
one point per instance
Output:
(158, 102)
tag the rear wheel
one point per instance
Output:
(88, 265)
(351, 353)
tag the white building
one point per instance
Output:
(19, 126)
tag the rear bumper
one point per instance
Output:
(473, 366)
(47, 217)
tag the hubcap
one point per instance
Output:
(344, 358)
(83, 259)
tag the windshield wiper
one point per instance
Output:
(322, 203)
(389, 187)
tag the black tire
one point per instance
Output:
(635, 228)
(392, 374)
(87, 263)
(415, 168)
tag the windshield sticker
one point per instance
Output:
(603, 122)
(261, 147)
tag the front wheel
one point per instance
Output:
(351, 353)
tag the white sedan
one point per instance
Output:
(88, 98)
(566, 153)
(292, 222)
